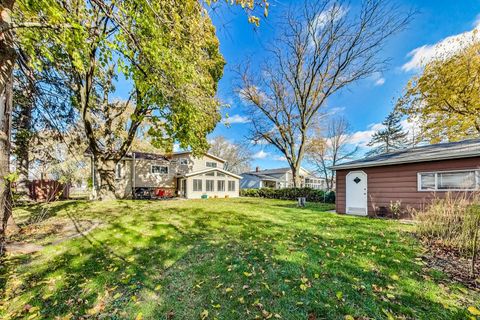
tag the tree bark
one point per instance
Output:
(21, 149)
(7, 61)
(295, 177)
(106, 185)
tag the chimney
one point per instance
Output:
(257, 168)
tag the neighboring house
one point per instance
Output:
(279, 178)
(177, 174)
(411, 177)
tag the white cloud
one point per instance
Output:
(336, 11)
(236, 118)
(362, 138)
(442, 49)
(260, 155)
(380, 82)
(279, 158)
(378, 79)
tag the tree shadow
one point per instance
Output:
(181, 261)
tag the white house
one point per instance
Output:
(279, 178)
(146, 175)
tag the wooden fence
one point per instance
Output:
(48, 190)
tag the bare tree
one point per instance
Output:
(324, 46)
(329, 148)
(237, 155)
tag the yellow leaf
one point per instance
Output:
(247, 274)
(228, 290)
(349, 317)
(339, 295)
(303, 287)
(204, 314)
(241, 300)
(395, 277)
(139, 316)
(158, 287)
(474, 311)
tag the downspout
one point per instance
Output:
(133, 176)
(94, 188)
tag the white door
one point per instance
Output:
(356, 193)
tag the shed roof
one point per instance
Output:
(435, 152)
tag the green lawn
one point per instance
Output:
(224, 259)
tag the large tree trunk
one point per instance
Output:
(7, 61)
(295, 177)
(22, 147)
(23, 124)
(106, 172)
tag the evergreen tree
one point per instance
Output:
(390, 138)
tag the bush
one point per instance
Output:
(454, 222)
(311, 195)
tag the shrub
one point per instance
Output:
(311, 195)
(454, 222)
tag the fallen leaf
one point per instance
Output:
(474, 311)
(339, 295)
(204, 314)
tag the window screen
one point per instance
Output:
(159, 169)
(456, 180)
(210, 185)
(197, 185)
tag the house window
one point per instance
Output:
(183, 161)
(231, 185)
(449, 180)
(211, 164)
(210, 174)
(118, 171)
(220, 185)
(156, 169)
(210, 185)
(197, 185)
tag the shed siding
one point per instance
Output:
(399, 183)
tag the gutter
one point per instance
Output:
(388, 163)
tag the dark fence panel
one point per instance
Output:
(48, 190)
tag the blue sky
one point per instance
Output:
(364, 104)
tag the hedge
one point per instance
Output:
(312, 195)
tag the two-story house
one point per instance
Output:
(146, 175)
(280, 178)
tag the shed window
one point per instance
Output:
(449, 180)
(210, 185)
(156, 169)
(231, 185)
(220, 185)
(197, 185)
(211, 164)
